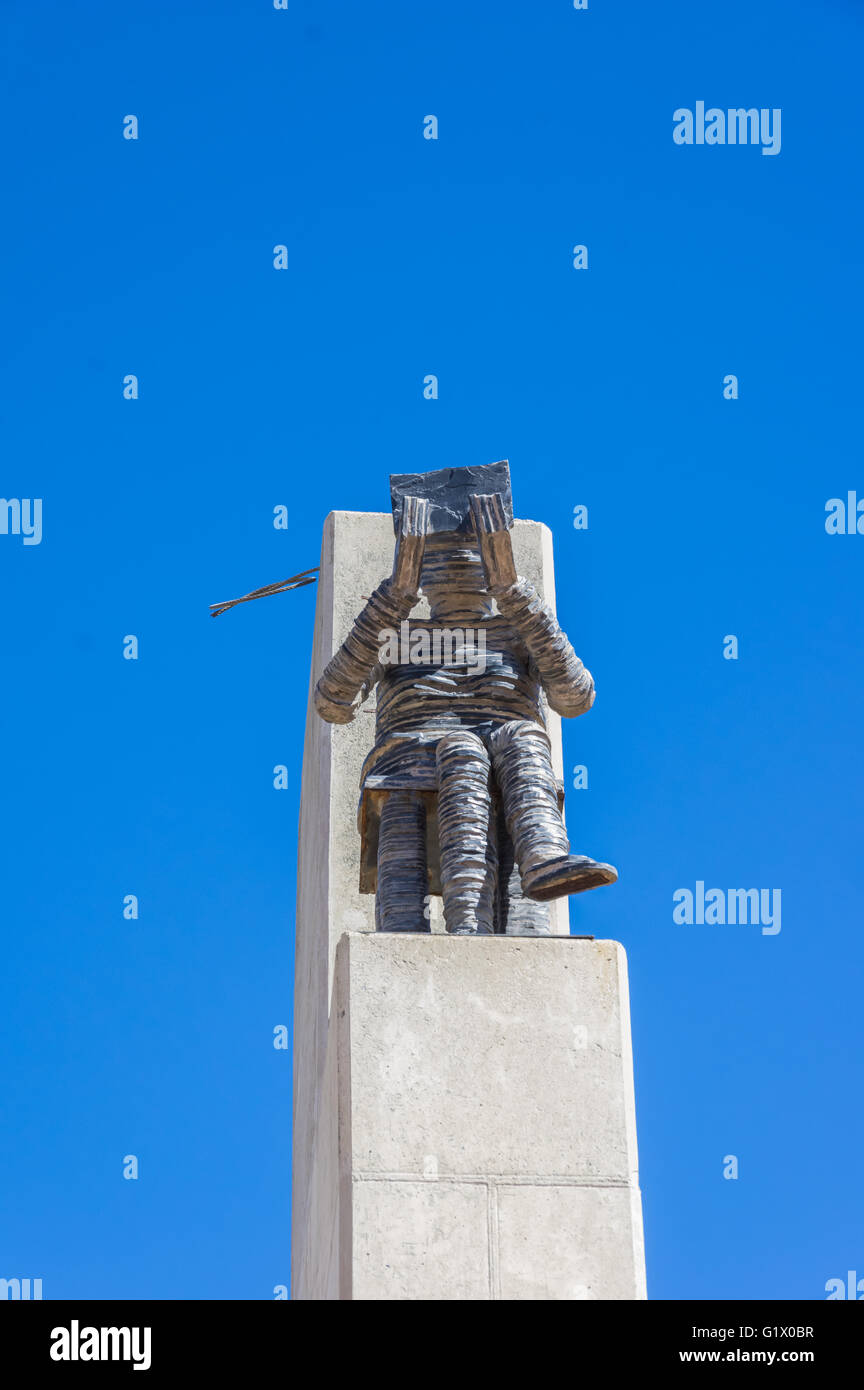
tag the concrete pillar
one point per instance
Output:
(487, 1136)
(463, 1107)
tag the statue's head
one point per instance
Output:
(453, 578)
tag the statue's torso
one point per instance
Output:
(418, 703)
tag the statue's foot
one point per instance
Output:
(575, 873)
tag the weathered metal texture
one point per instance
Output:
(515, 914)
(354, 669)
(400, 900)
(522, 759)
(468, 849)
(373, 797)
(460, 746)
(449, 492)
(568, 685)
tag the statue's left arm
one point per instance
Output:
(569, 686)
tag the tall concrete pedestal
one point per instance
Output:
(463, 1107)
(487, 1141)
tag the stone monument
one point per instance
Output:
(463, 1099)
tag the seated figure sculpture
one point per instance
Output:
(458, 794)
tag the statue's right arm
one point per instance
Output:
(346, 682)
(351, 674)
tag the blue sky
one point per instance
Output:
(603, 387)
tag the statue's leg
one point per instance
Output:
(522, 759)
(402, 884)
(466, 844)
(516, 915)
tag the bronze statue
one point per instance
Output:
(458, 794)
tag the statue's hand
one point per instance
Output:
(405, 579)
(496, 547)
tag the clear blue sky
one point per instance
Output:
(304, 387)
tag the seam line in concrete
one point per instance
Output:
(500, 1179)
(494, 1271)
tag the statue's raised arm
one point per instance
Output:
(569, 686)
(350, 675)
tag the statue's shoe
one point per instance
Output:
(560, 877)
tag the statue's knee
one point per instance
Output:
(519, 733)
(460, 747)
